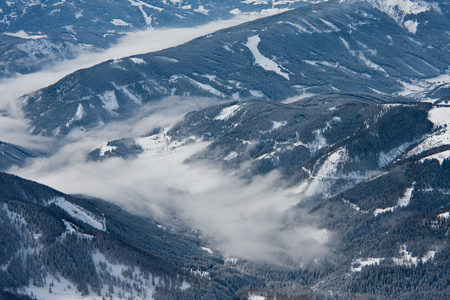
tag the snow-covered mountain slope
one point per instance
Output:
(56, 246)
(396, 224)
(357, 164)
(349, 46)
(340, 195)
(325, 143)
(38, 33)
(14, 155)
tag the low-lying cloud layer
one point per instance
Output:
(13, 127)
(241, 219)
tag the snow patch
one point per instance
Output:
(370, 63)
(440, 117)
(79, 114)
(157, 143)
(231, 260)
(354, 206)
(399, 9)
(358, 264)
(257, 94)
(404, 201)
(329, 168)
(300, 28)
(207, 250)
(228, 112)
(61, 289)
(331, 25)
(264, 62)
(386, 158)
(231, 155)
(79, 213)
(445, 215)
(141, 5)
(138, 61)
(411, 26)
(128, 93)
(140, 285)
(23, 35)
(277, 125)
(106, 148)
(256, 297)
(109, 101)
(408, 260)
(379, 211)
(206, 87)
(119, 22)
(201, 9)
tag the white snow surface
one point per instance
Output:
(445, 215)
(138, 61)
(105, 148)
(79, 213)
(354, 206)
(71, 229)
(370, 64)
(411, 26)
(330, 167)
(207, 250)
(408, 260)
(360, 263)
(148, 19)
(23, 35)
(404, 201)
(142, 287)
(379, 211)
(206, 87)
(399, 9)
(201, 9)
(228, 112)
(119, 22)
(386, 158)
(440, 116)
(125, 89)
(257, 94)
(15, 218)
(62, 289)
(157, 143)
(231, 155)
(264, 62)
(278, 124)
(109, 101)
(79, 114)
(256, 297)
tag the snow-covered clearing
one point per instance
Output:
(79, 114)
(228, 112)
(440, 116)
(262, 61)
(402, 202)
(109, 101)
(106, 148)
(408, 260)
(138, 61)
(78, 213)
(23, 35)
(359, 263)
